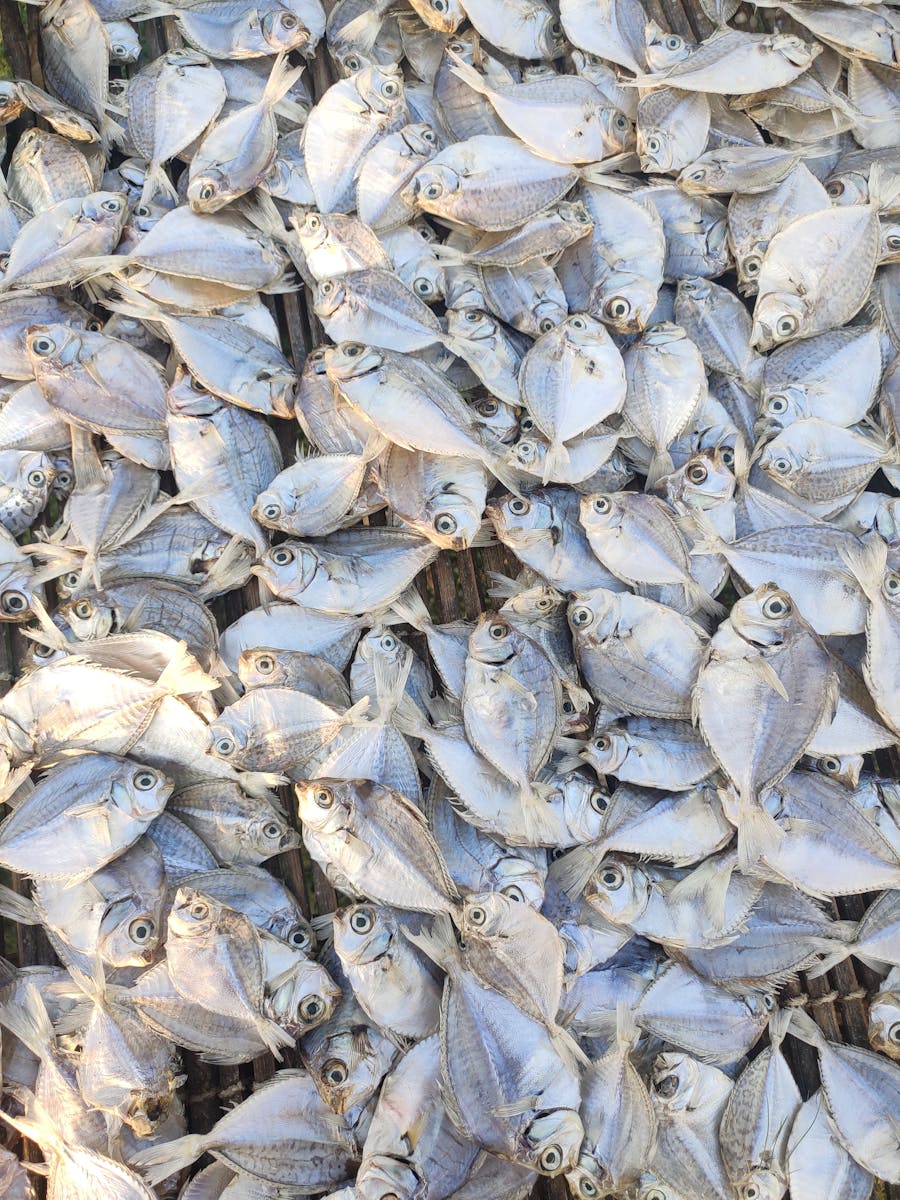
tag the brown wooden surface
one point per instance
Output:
(455, 586)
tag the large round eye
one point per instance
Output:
(144, 781)
(111, 205)
(335, 1071)
(196, 385)
(42, 346)
(581, 616)
(830, 766)
(752, 265)
(602, 505)
(141, 930)
(891, 585)
(299, 937)
(324, 797)
(439, 5)
(551, 1159)
(769, 1002)
(352, 349)
(777, 405)
(514, 893)
(526, 424)
(545, 603)
(598, 801)
(568, 707)
(272, 831)
(787, 326)
(556, 29)
(423, 286)
(428, 135)
(282, 556)
(477, 916)
(835, 188)
(655, 1193)
(488, 408)
(94, 325)
(388, 642)
(617, 308)
(545, 325)
(13, 602)
(312, 1008)
(207, 191)
(71, 578)
(697, 473)
(782, 465)
(142, 210)
(199, 910)
(587, 1189)
(362, 920)
(272, 512)
(893, 241)
(36, 479)
(63, 478)
(673, 42)
(83, 609)
(445, 523)
(498, 630)
(749, 1192)
(433, 191)
(265, 664)
(519, 506)
(313, 221)
(620, 122)
(612, 878)
(288, 21)
(326, 287)
(603, 743)
(653, 145)
(894, 1034)
(776, 607)
(390, 89)
(224, 746)
(352, 63)
(473, 315)
(577, 323)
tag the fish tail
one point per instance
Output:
(156, 180)
(169, 1158)
(566, 1046)
(87, 268)
(183, 675)
(29, 1022)
(437, 942)
(282, 78)
(556, 458)
(599, 173)
(804, 1028)
(703, 600)
(660, 465)
(759, 834)
(541, 827)
(17, 908)
(573, 870)
(410, 609)
(866, 561)
(462, 70)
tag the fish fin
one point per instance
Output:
(709, 541)
(183, 675)
(703, 600)
(438, 942)
(281, 79)
(660, 465)
(884, 188)
(867, 562)
(758, 834)
(390, 690)
(469, 75)
(567, 1047)
(502, 587)
(272, 1035)
(804, 1028)
(483, 536)
(517, 1108)
(603, 174)
(17, 908)
(573, 870)
(709, 880)
(411, 609)
(169, 1158)
(513, 480)
(766, 673)
(96, 264)
(86, 465)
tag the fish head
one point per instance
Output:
(890, 240)
(619, 131)
(651, 1187)
(574, 212)
(270, 834)
(433, 188)
(848, 187)
(624, 301)
(312, 231)
(361, 933)
(574, 710)
(884, 1024)
(778, 317)
(520, 879)
(593, 614)
(130, 932)
(453, 521)
(382, 1177)
(324, 804)
(351, 360)
(287, 565)
(306, 999)
(551, 1142)
(105, 208)
(520, 519)
(187, 396)
(89, 616)
(11, 103)
(607, 749)
(18, 593)
(749, 261)
(380, 642)
(890, 588)
(674, 1082)
(35, 472)
(844, 769)
(705, 479)
(600, 511)
(193, 914)
(140, 791)
(778, 409)
(764, 616)
(497, 417)
(618, 891)
(547, 313)
(471, 324)
(348, 1066)
(654, 148)
(297, 933)
(794, 49)
(781, 462)
(269, 509)
(380, 89)
(147, 1111)
(260, 666)
(760, 1185)
(534, 602)
(64, 478)
(125, 47)
(588, 1180)
(550, 36)
(494, 639)
(283, 30)
(443, 15)
(209, 192)
(663, 50)
(228, 736)
(488, 914)
(585, 804)
(53, 347)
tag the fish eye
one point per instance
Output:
(282, 556)
(83, 609)
(335, 1071)
(551, 1159)
(519, 506)
(457, 47)
(673, 42)
(603, 743)
(514, 893)
(698, 175)
(602, 505)
(313, 221)
(776, 607)
(272, 511)
(388, 642)
(473, 315)
(142, 210)
(545, 603)
(119, 51)
(568, 707)
(43, 651)
(445, 523)
(144, 781)
(598, 801)
(224, 746)
(439, 5)
(612, 878)
(587, 1189)
(488, 408)
(196, 385)
(697, 473)
(830, 766)
(423, 286)
(326, 287)
(352, 349)
(271, 830)
(207, 191)
(582, 616)
(265, 664)
(584, 217)
(63, 478)
(141, 930)
(835, 188)
(312, 1008)
(894, 1034)
(526, 424)
(891, 585)
(298, 937)
(750, 1192)
(13, 602)
(769, 1002)
(787, 326)
(94, 325)
(655, 1193)
(111, 205)
(893, 241)
(545, 325)
(390, 89)
(577, 323)
(433, 191)
(429, 135)
(498, 630)
(352, 63)
(477, 916)
(777, 405)
(782, 466)
(43, 346)
(654, 145)
(362, 920)
(617, 308)
(71, 578)
(324, 797)
(556, 30)
(288, 21)
(36, 479)
(620, 121)
(752, 265)
(199, 910)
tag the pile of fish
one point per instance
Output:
(624, 307)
